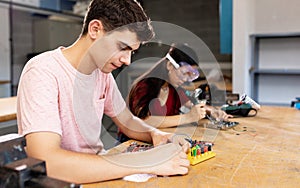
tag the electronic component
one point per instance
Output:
(135, 147)
(199, 151)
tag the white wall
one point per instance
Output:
(277, 16)
(257, 17)
(4, 51)
(243, 22)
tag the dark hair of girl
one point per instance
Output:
(153, 80)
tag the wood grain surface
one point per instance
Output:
(262, 151)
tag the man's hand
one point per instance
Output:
(177, 164)
(160, 137)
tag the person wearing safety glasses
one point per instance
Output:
(157, 96)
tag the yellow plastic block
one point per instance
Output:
(200, 158)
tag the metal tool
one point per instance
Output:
(17, 170)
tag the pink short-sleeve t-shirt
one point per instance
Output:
(54, 97)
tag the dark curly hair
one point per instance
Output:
(116, 14)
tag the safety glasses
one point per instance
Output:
(186, 72)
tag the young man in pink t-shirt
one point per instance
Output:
(63, 94)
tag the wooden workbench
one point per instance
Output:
(262, 151)
(8, 109)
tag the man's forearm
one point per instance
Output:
(133, 127)
(72, 166)
(85, 168)
(136, 129)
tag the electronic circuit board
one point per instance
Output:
(197, 153)
(136, 147)
(224, 125)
